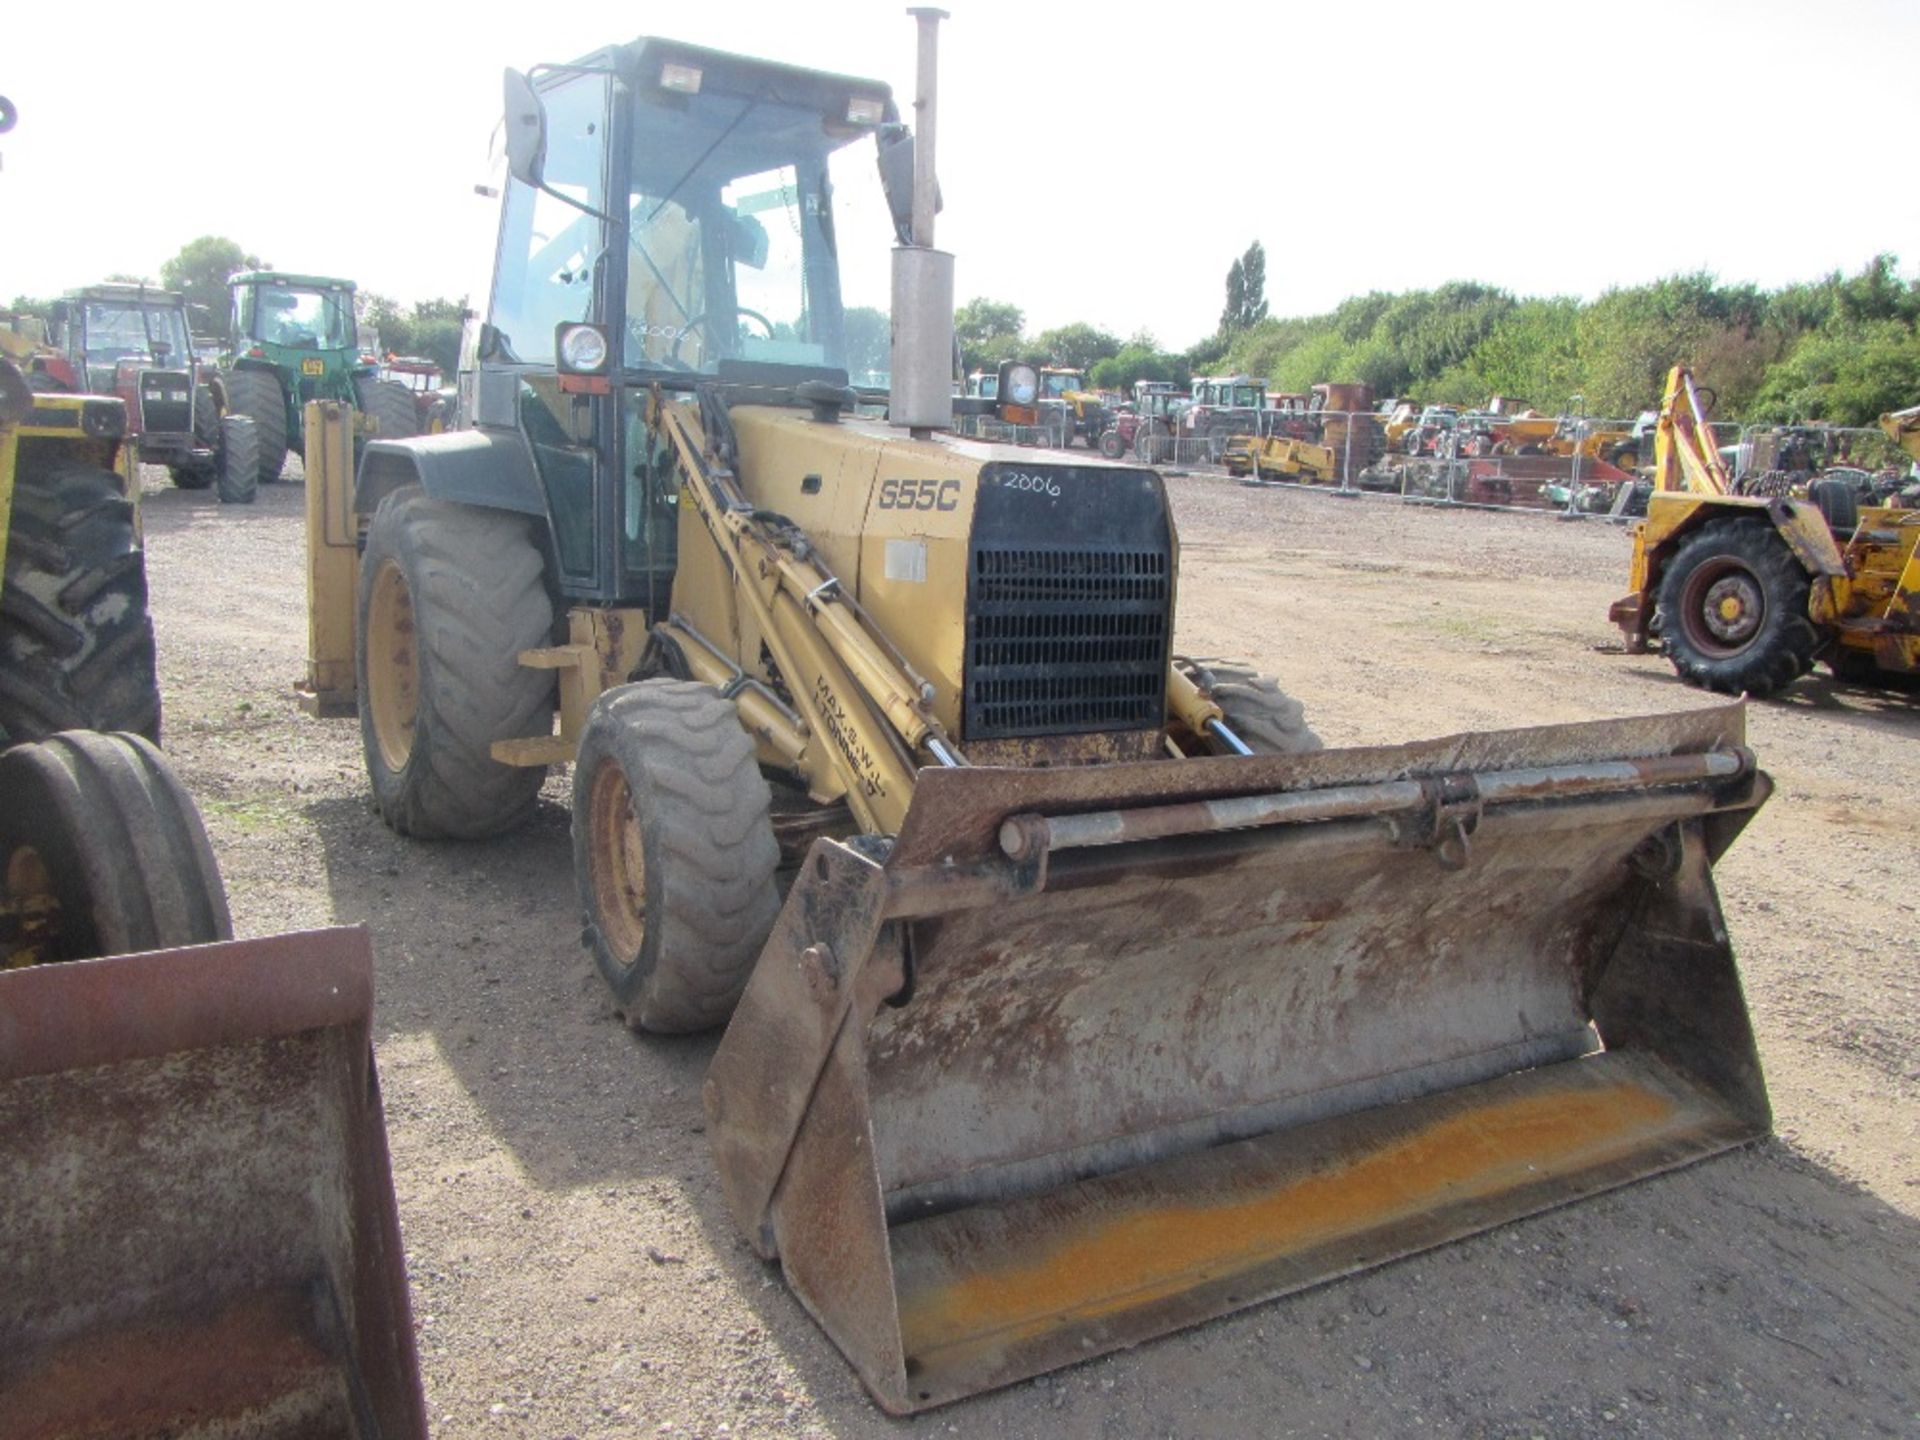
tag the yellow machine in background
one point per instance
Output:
(1745, 593)
(1903, 428)
(1279, 457)
(1098, 999)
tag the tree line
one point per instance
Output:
(1842, 349)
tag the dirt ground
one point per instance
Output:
(574, 1270)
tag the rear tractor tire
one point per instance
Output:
(674, 852)
(1732, 610)
(449, 596)
(390, 407)
(76, 642)
(257, 395)
(1266, 718)
(104, 838)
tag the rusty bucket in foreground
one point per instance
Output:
(198, 1236)
(1090, 1055)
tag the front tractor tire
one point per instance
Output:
(76, 643)
(674, 852)
(389, 406)
(1265, 717)
(257, 395)
(206, 436)
(1732, 610)
(449, 596)
(239, 474)
(102, 845)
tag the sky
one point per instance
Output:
(1100, 164)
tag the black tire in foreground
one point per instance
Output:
(1265, 717)
(674, 852)
(99, 825)
(1732, 610)
(76, 642)
(389, 406)
(239, 475)
(449, 596)
(257, 395)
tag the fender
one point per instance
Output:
(489, 468)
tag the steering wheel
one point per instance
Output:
(700, 320)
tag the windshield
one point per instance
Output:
(302, 319)
(733, 250)
(1063, 383)
(118, 331)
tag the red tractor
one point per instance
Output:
(132, 341)
(434, 401)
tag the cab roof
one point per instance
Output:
(290, 280)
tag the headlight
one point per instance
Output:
(583, 349)
(1021, 385)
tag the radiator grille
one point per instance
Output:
(166, 402)
(1065, 641)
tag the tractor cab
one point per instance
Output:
(294, 312)
(673, 219)
(1059, 384)
(106, 330)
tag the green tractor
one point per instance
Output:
(295, 340)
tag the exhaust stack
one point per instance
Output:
(922, 384)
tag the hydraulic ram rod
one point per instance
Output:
(1023, 837)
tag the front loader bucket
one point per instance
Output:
(198, 1237)
(1092, 1054)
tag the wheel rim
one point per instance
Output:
(616, 865)
(36, 904)
(393, 666)
(1724, 607)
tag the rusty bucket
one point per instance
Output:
(199, 1236)
(1090, 1055)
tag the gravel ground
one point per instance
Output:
(574, 1270)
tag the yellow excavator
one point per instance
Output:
(1074, 993)
(1744, 592)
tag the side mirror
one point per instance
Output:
(526, 130)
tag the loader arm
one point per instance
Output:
(844, 679)
(1685, 457)
(1903, 428)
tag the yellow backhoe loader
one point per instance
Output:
(1745, 592)
(199, 1236)
(1100, 999)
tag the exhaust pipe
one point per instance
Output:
(921, 398)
